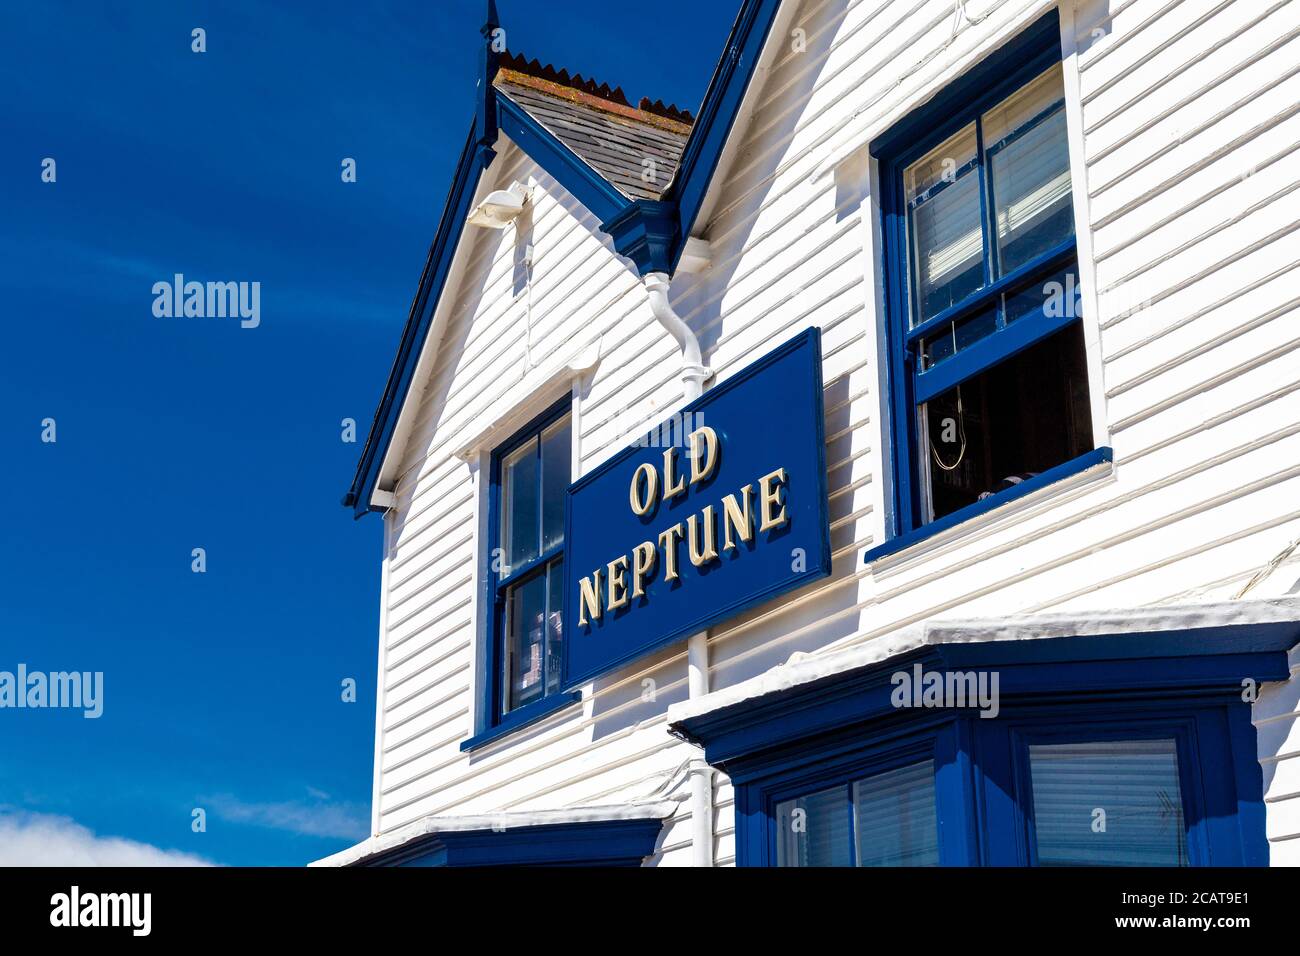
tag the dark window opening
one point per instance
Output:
(1021, 417)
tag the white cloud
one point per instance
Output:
(342, 821)
(39, 839)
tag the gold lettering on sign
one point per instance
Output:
(668, 539)
(674, 485)
(704, 453)
(617, 583)
(769, 496)
(643, 502)
(589, 598)
(643, 562)
(702, 554)
(737, 519)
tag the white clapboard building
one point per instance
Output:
(896, 462)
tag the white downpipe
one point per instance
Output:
(697, 664)
(694, 374)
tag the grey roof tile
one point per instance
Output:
(613, 144)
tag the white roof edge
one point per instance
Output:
(427, 826)
(530, 395)
(804, 669)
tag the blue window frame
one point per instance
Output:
(530, 475)
(1077, 783)
(986, 365)
(1155, 725)
(1113, 796)
(885, 806)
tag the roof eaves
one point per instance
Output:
(652, 233)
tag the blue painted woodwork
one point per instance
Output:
(650, 233)
(1186, 685)
(767, 416)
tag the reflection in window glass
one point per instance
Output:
(890, 820)
(556, 461)
(554, 624)
(525, 642)
(1108, 803)
(520, 491)
(1055, 296)
(814, 830)
(958, 335)
(895, 819)
(534, 632)
(942, 189)
(534, 480)
(1030, 163)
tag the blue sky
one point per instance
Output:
(222, 690)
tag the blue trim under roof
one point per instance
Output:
(718, 112)
(650, 233)
(588, 187)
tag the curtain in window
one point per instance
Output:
(947, 238)
(814, 830)
(895, 819)
(888, 819)
(1030, 163)
(1108, 803)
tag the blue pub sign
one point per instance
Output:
(720, 508)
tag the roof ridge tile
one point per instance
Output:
(519, 63)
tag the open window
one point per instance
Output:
(988, 371)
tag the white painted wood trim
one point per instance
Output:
(533, 398)
(1091, 318)
(380, 682)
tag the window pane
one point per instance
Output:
(955, 336)
(520, 533)
(1053, 295)
(815, 830)
(554, 623)
(556, 459)
(1029, 159)
(895, 818)
(1134, 783)
(1021, 417)
(947, 242)
(525, 642)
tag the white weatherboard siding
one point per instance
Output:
(1184, 119)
